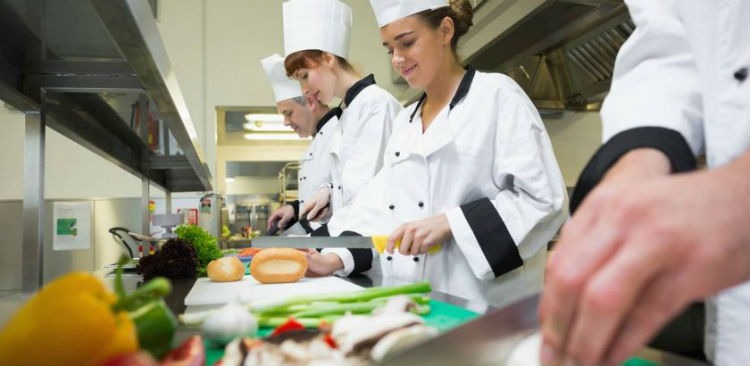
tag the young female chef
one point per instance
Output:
(470, 185)
(316, 42)
(306, 118)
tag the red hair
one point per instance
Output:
(310, 58)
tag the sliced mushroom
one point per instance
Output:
(372, 330)
(401, 339)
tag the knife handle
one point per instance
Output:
(381, 241)
(273, 229)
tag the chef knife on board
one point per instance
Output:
(377, 242)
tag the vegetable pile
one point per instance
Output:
(350, 340)
(204, 244)
(313, 310)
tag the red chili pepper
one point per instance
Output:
(289, 325)
(330, 341)
(190, 353)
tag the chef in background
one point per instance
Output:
(650, 233)
(307, 117)
(470, 185)
(316, 42)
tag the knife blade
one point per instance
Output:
(377, 242)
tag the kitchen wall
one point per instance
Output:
(575, 138)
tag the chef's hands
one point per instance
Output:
(633, 255)
(419, 236)
(281, 217)
(320, 265)
(316, 208)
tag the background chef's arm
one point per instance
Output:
(497, 233)
(655, 100)
(363, 216)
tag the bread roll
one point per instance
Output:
(278, 265)
(225, 269)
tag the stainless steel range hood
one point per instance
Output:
(561, 52)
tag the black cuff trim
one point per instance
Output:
(295, 206)
(493, 236)
(666, 140)
(362, 256)
(321, 231)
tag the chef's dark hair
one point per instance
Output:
(460, 11)
(309, 59)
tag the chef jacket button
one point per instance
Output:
(339, 187)
(420, 204)
(389, 258)
(398, 154)
(415, 259)
(741, 74)
(391, 207)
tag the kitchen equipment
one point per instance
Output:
(377, 242)
(168, 222)
(492, 338)
(207, 292)
(122, 236)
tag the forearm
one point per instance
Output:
(639, 164)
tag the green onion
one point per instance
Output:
(352, 296)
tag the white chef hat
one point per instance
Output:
(386, 11)
(283, 87)
(317, 25)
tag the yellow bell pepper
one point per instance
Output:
(68, 322)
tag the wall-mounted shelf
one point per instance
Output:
(86, 64)
(97, 72)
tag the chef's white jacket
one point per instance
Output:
(685, 69)
(487, 163)
(315, 164)
(359, 139)
(356, 146)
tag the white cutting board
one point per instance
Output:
(207, 292)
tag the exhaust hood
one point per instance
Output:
(561, 52)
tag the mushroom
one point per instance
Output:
(401, 339)
(372, 330)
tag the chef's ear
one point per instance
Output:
(328, 60)
(446, 30)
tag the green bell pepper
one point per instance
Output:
(155, 323)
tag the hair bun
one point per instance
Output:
(464, 10)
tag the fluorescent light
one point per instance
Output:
(264, 117)
(229, 179)
(259, 126)
(273, 136)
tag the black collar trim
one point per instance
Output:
(336, 111)
(464, 86)
(463, 89)
(358, 87)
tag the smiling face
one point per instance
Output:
(297, 117)
(417, 50)
(317, 82)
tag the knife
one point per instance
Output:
(377, 242)
(495, 337)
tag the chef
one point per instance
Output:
(470, 185)
(316, 42)
(643, 242)
(307, 118)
